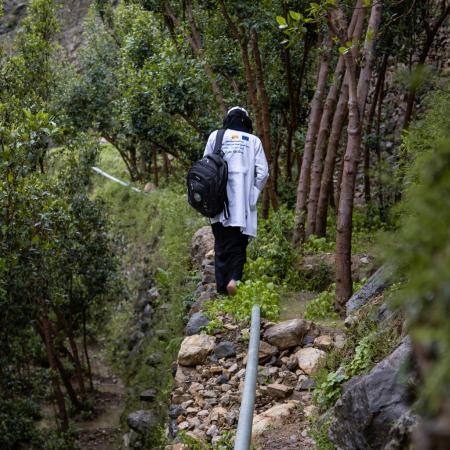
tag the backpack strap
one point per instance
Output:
(218, 151)
(218, 144)
(226, 209)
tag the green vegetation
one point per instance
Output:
(368, 342)
(318, 430)
(420, 249)
(267, 273)
(264, 294)
(322, 307)
(270, 255)
(154, 245)
(316, 244)
(224, 443)
(57, 267)
(152, 79)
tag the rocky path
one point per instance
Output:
(211, 369)
(102, 431)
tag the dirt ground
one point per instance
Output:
(292, 435)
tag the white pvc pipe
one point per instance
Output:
(110, 177)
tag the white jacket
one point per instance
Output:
(247, 175)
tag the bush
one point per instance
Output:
(271, 255)
(316, 244)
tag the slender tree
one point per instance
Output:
(354, 33)
(357, 99)
(313, 126)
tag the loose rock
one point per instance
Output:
(141, 421)
(202, 243)
(287, 334)
(309, 359)
(194, 349)
(266, 351)
(154, 359)
(148, 396)
(273, 417)
(196, 323)
(279, 390)
(225, 349)
(323, 342)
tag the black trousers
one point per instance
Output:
(230, 254)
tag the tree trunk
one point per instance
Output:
(326, 183)
(373, 106)
(345, 208)
(378, 153)
(293, 96)
(166, 166)
(276, 166)
(62, 372)
(127, 159)
(264, 103)
(86, 353)
(44, 325)
(354, 33)
(74, 349)
(313, 125)
(339, 118)
(68, 385)
(357, 100)
(321, 144)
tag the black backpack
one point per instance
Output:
(207, 182)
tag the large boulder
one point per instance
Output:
(287, 334)
(370, 406)
(376, 284)
(194, 349)
(202, 243)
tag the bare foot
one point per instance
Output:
(232, 288)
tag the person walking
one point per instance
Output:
(247, 175)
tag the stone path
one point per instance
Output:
(210, 376)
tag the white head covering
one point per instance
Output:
(238, 107)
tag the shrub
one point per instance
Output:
(265, 294)
(271, 254)
(316, 244)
